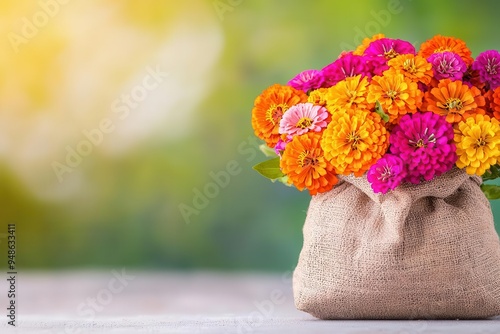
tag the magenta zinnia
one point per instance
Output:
(447, 65)
(389, 48)
(302, 118)
(280, 147)
(386, 174)
(488, 66)
(425, 142)
(307, 80)
(347, 66)
(380, 51)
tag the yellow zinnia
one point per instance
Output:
(318, 97)
(348, 95)
(477, 139)
(353, 142)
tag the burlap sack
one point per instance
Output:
(427, 251)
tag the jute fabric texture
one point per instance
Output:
(427, 251)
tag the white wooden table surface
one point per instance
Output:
(116, 301)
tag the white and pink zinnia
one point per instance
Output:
(302, 118)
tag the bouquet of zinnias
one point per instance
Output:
(385, 109)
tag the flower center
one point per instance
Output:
(348, 74)
(305, 159)
(492, 65)
(391, 94)
(454, 103)
(385, 174)
(423, 139)
(304, 123)
(409, 66)
(445, 66)
(480, 142)
(353, 139)
(352, 94)
(390, 54)
(275, 112)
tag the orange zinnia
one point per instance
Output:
(494, 102)
(397, 95)
(455, 100)
(415, 68)
(304, 164)
(269, 108)
(440, 43)
(365, 43)
(348, 95)
(354, 142)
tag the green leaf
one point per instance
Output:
(492, 173)
(283, 180)
(379, 110)
(268, 152)
(270, 169)
(491, 191)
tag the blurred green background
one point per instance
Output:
(65, 71)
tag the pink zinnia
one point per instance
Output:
(307, 80)
(425, 142)
(348, 65)
(386, 174)
(488, 66)
(302, 118)
(447, 65)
